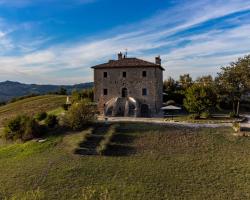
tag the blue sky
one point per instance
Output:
(57, 41)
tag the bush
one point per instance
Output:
(205, 115)
(2, 103)
(66, 106)
(194, 116)
(21, 127)
(41, 116)
(232, 115)
(236, 126)
(79, 115)
(51, 121)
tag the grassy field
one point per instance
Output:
(145, 162)
(31, 106)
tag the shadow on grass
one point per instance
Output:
(90, 143)
(245, 129)
(121, 145)
(120, 150)
(123, 139)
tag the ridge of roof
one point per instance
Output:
(127, 62)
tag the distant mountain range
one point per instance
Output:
(10, 89)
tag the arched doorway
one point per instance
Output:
(124, 92)
(144, 110)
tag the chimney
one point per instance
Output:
(158, 60)
(120, 56)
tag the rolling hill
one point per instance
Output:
(31, 106)
(10, 89)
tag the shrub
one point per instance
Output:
(32, 130)
(2, 103)
(21, 127)
(194, 116)
(205, 115)
(51, 121)
(41, 116)
(236, 126)
(66, 106)
(232, 115)
(79, 115)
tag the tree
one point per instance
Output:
(62, 91)
(172, 91)
(80, 114)
(84, 94)
(199, 99)
(185, 81)
(170, 85)
(205, 80)
(234, 81)
(76, 96)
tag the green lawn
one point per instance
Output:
(146, 162)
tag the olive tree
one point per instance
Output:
(234, 81)
(200, 98)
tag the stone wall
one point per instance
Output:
(134, 82)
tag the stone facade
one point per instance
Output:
(122, 89)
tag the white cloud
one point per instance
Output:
(204, 52)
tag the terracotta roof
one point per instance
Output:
(127, 62)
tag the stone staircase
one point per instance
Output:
(119, 107)
(122, 107)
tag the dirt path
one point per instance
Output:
(161, 121)
(247, 123)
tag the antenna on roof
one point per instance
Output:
(126, 53)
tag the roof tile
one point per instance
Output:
(127, 62)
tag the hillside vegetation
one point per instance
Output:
(31, 106)
(145, 162)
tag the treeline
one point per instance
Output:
(205, 94)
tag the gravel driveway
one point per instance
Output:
(247, 123)
(161, 121)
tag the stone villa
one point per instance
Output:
(129, 87)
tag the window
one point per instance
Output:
(144, 92)
(144, 74)
(105, 74)
(105, 91)
(124, 74)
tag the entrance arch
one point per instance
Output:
(124, 92)
(144, 110)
